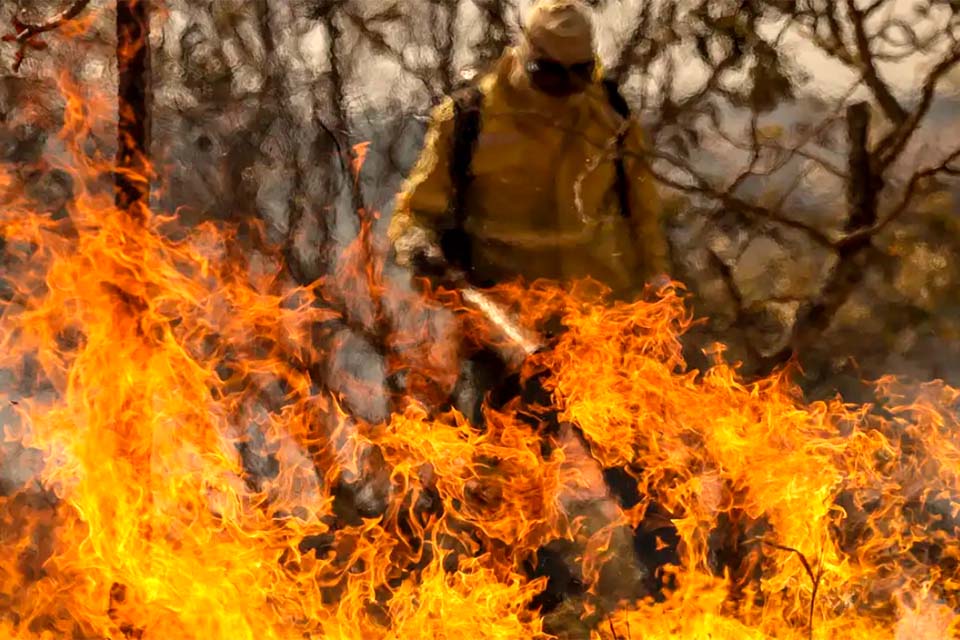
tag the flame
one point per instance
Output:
(148, 367)
(359, 157)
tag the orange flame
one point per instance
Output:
(359, 157)
(148, 367)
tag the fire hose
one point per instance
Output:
(510, 340)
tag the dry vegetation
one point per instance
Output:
(808, 154)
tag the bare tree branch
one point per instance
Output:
(814, 577)
(865, 62)
(755, 152)
(836, 46)
(858, 237)
(913, 42)
(442, 34)
(378, 40)
(889, 149)
(872, 7)
(704, 188)
(26, 32)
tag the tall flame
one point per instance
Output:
(149, 367)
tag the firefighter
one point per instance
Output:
(537, 170)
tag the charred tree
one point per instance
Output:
(132, 175)
(864, 184)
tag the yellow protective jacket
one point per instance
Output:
(543, 201)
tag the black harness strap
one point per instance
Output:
(619, 104)
(466, 130)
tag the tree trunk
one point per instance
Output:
(863, 188)
(132, 176)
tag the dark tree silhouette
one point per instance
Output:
(133, 101)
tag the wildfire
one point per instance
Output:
(148, 368)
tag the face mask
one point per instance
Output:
(557, 79)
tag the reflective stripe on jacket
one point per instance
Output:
(543, 202)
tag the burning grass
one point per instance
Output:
(147, 372)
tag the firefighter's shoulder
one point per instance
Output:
(442, 111)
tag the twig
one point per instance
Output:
(702, 187)
(814, 577)
(888, 150)
(910, 39)
(873, 6)
(613, 630)
(755, 151)
(839, 48)
(27, 31)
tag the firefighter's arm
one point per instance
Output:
(645, 205)
(424, 201)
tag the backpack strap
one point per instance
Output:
(466, 130)
(619, 104)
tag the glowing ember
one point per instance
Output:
(138, 368)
